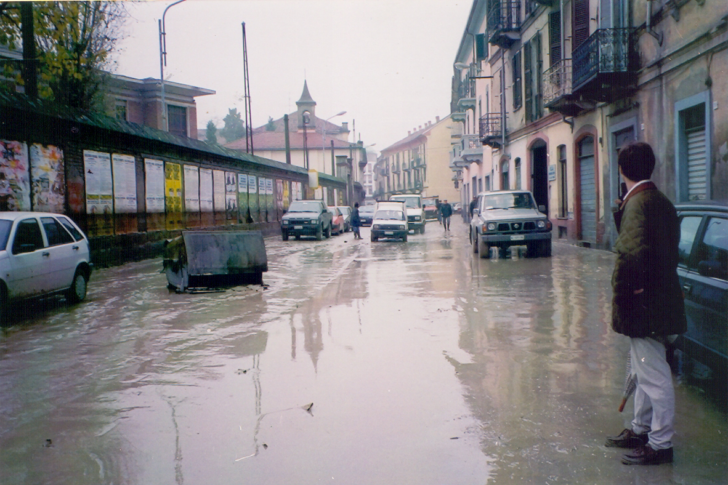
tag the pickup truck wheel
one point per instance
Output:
(374, 239)
(404, 238)
(532, 249)
(483, 248)
(3, 304)
(320, 233)
(77, 292)
(422, 229)
(284, 236)
(544, 248)
(298, 237)
(328, 232)
(474, 243)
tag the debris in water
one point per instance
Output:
(241, 371)
(455, 438)
(307, 408)
(48, 443)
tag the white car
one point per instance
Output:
(41, 254)
(390, 221)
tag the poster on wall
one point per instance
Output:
(14, 177)
(231, 195)
(124, 167)
(253, 198)
(99, 189)
(218, 187)
(262, 201)
(173, 195)
(49, 179)
(192, 188)
(242, 198)
(206, 190)
(279, 196)
(154, 185)
(286, 195)
(271, 200)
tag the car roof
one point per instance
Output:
(496, 192)
(702, 205)
(14, 215)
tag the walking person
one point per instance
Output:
(446, 212)
(437, 211)
(647, 305)
(472, 206)
(356, 221)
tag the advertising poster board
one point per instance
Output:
(154, 185)
(48, 178)
(206, 197)
(242, 198)
(192, 188)
(262, 200)
(99, 192)
(279, 197)
(124, 167)
(173, 195)
(231, 196)
(218, 187)
(253, 198)
(272, 213)
(14, 176)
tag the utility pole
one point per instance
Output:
(248, 113)
(30, 75)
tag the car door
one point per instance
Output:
(28, 258)
(63, 254)
(704, 280)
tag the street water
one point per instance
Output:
(355, 363)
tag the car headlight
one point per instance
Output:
(375, 227)
(491, 226)
(417, 218)
(314, 221)
(285, 222)
(541, 224)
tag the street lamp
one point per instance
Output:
(163, 61)
(323, 145)
(306, 119)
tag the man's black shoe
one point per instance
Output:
(626, 439)
(645, 455)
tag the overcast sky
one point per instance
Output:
(387, 63)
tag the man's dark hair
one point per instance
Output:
(356, 204)
(637, 161)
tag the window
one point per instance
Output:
(554, 38)
(55, 233)
(517, 82)
(563, 192)
(121, 111)
(713, 249)
(518, 173)
(27, 237)
(71, 228)
(580, 23)
(505, 183)
(532, 70)
(177, 116)
(688, 229)
(693, 147)
(481, 47)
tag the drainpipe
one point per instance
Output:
(563, 37)
(648, 27)
(288, 142)
(503, 99)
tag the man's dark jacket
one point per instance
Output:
(446, 209)
(647, 257)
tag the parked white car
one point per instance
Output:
(41, 254)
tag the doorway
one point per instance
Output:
(539, 175)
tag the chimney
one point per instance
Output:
(409, 133)
(345, 127)
(437, 119)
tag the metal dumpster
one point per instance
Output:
(211, 259)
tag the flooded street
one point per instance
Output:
(356, 363)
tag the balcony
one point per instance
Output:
(472, 149)
(605, 66)
(458, 116)
(395, 168)
(418, 185)
(491, 131)
(557, 93)
(504, 22)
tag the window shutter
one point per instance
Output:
(528, 81)
(580, 23)
(554, 38)
(517, 82)
(481, 47)
(538, 89)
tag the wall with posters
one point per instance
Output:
(130, 187)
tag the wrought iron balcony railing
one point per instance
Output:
(491, 129)
(504, 21)
(606, 53)
(557, 82)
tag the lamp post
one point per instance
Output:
(323, 143)
(306, 119)
(163, 62)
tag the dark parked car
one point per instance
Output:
(703, 272)
(306, 218)
(366, 214)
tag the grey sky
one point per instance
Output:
(387, 63)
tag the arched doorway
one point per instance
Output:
(539, 174)
(505, 183)
(587, 190)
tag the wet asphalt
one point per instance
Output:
(354, 363)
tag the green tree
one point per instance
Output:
(270, 126)
(211, 133)
(74, 43)
(234, 128)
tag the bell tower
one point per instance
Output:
(306, 103)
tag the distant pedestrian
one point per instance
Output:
(437, 211)
(647, 304)
(473, 205)
(356, 221)
(446, 212)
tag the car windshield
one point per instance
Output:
(5, 226)
(507, 201)
(305, 206)
(367, 209)
(411, 202)
(344, 210)
(389, 215)
(333, 211)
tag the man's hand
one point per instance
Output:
(637, 292)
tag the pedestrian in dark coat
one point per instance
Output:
(647, 304)
(356, 221)
(473, 205)
(446, 211)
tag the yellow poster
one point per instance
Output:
(173, 195)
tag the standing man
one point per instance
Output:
(473, 205)
(356, 221)
(647, 304)
(446, 211)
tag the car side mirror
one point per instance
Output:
(712, 269)
(542, 208)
